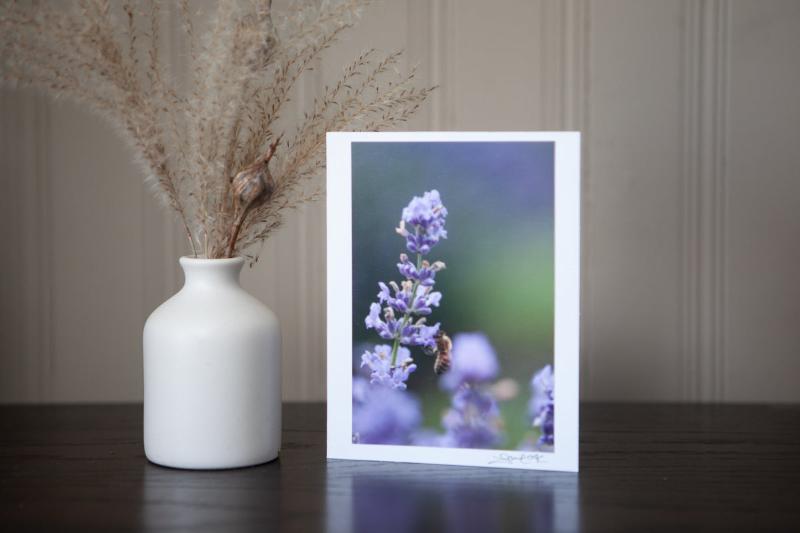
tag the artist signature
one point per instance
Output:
(517, 458)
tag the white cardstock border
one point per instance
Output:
(567, 307)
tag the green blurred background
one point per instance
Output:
(499, 253)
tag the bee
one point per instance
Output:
(442, 352)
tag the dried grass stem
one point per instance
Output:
(213, 152)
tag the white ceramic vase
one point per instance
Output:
(212, 373)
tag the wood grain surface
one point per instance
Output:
(643, 468)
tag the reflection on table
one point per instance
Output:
(399, 498)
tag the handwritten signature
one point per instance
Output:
(517, 458)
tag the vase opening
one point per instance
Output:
(202, 271)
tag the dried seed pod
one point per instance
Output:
(253, 186)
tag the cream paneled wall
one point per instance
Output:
(691, 193)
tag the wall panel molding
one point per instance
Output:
(564, 98)
(688, 170)
(575, 87)
(705, 141)
(25, 285)
(442, 59)
(44, 263)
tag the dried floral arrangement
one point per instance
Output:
(215, 149)
(384, 412)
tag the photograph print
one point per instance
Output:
(453, 254)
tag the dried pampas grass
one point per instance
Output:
(214, 151)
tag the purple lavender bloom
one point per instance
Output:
(401, 299)
(417, 334)
(379, 362)
(425, 275)
(425, 301)
(399, 314)
(373, 321)
(542, 387)
(420, 335)
(383, 372)
(473, 421)
(542, 405)
(474, 361)
(382, 415)
(426, 211)
(400, 302)
(426, 216)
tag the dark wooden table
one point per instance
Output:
(643, 468)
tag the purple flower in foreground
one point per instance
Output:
(382, 415)
(422, 223)
(400, 313)
(542, 405)
(474, 361)
(383, 372)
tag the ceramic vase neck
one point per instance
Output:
(211, 272)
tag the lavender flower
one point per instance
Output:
(383, 415)
(473, 420)
(418, 302)
(426, 215)
(383, 372)
(426, 274)
(400, 313)
(542, 406)
(417, 334)
(474, 361)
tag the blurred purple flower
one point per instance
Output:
(383, 415)
(474, 361)
(541, 408)
(542, 386)
(473, 421)
(360, 390)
